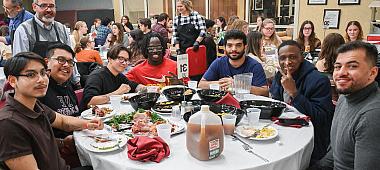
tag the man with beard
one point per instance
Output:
(223, 69)
(17, 15)
(157, 66)
(41, 31)
(27, 140)
(299, 84)
(355, 134)
(109, 80)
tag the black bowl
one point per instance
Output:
(144, 101)
(269, 109)
(217, 108)
(211, 95)
(177, 93)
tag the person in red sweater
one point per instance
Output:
(156, 68)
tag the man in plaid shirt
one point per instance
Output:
(189, 27)
(103, 32)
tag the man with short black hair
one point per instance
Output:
(17, 15)
(27, 140)
(355, 134)
(299, 84)
(160, 26)
(236, 62)
(145, 25)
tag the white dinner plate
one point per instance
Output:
(116, 142)
(239, 130)
(87, 114)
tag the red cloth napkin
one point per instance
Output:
(229, 100)
(145, 149)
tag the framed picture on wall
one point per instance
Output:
(349, 2)
(259, 5)
(317, 2)
(331, 18)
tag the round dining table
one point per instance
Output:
(291, 150)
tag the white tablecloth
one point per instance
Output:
(294, 152)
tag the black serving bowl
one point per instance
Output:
(217, 109)
(144, 100)
(269, 109)
(211, 95)
(177, 93)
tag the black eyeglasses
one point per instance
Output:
(122, 60)
(33, 75)
(46, 6)
(153, 49)
(63, 60)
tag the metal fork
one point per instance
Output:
(249, 148)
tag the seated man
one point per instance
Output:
(60, 96)
(108, 80)
(236, 62)
(302, 86)
(355, 127)
(157, 66)
(27, 140)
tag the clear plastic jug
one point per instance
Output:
(204, 135)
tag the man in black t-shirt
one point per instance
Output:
(109, 80)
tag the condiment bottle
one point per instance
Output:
(204, 135)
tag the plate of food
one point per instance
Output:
(257, 133)
(164, 107)
(141, 123)
(100, 111)
(105, 142)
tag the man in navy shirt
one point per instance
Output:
(223, 69)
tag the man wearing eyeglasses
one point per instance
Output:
(27, 140)
(17, 14)
(109, 80)
(41, 31)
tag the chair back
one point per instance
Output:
(197, 61)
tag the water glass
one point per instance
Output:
(192, 84)
(115, 102)
(242, 84)
(176, 114)
(229, 124)
(164, 131)
(253, 116)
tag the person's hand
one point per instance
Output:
(124, 88)
(178, 51)
(288, 83)
(225, 83)
(94, 124)
(196, 46)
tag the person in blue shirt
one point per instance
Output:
(223, 69)
(17, 14)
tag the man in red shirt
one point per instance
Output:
(154, 70)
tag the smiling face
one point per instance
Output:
(83, 29)
(60, 72)
(30, 87)
(10, 9)
(352, 71)
(235, 49)
(353, 32)
(181, 7)
(268, 30)
(155, 51)
(120, 63)
(45, 10)
(290, 58)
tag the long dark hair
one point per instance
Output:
(328, 52)
(254, 43)
(120, 37)
(135, 46)
(223, 20)
(312, 39)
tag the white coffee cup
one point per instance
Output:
(253, 116)
(229, 123)
(115, 102)
(164, 131)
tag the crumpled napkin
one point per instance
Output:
(145, 149)
(229, 100)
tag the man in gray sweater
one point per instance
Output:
(355, 131)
